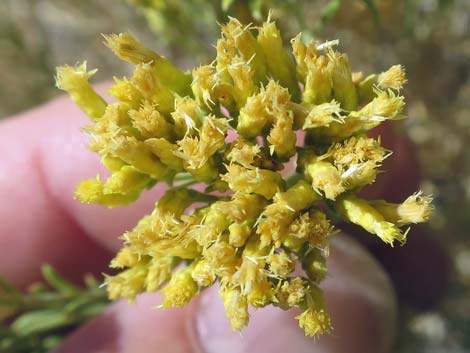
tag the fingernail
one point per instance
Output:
(270, 330)
(361, 300)
(357, 289)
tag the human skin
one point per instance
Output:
(44, 158)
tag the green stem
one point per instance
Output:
(35, 301)
(292, 179)
(184, 185)
(183, 176)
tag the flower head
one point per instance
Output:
(232, 126)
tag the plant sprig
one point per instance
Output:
(38, 319)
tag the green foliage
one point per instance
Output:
(38, 320)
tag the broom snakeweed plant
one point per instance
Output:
(232, 126)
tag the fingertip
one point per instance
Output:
(45, 157)
(359, 298)
(67, 161)
(129, 328)
(419, 270)
(35, 229)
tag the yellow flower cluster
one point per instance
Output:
(233, 125)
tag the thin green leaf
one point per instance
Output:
(57, 281)
(45, 313)
(7, 287)
(373, 10)
(40, 321)
(80, 304)
(51, 342)
(93, 309)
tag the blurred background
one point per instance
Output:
(431, 38)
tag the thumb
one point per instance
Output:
(358, 295)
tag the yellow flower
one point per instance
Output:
(291, 292)
(236, 307)
(75, 82)
(259, 181)
(393, 78)
(180, 290)
(232, 126)
(362, 213)
(415, 209)
(314, 319)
